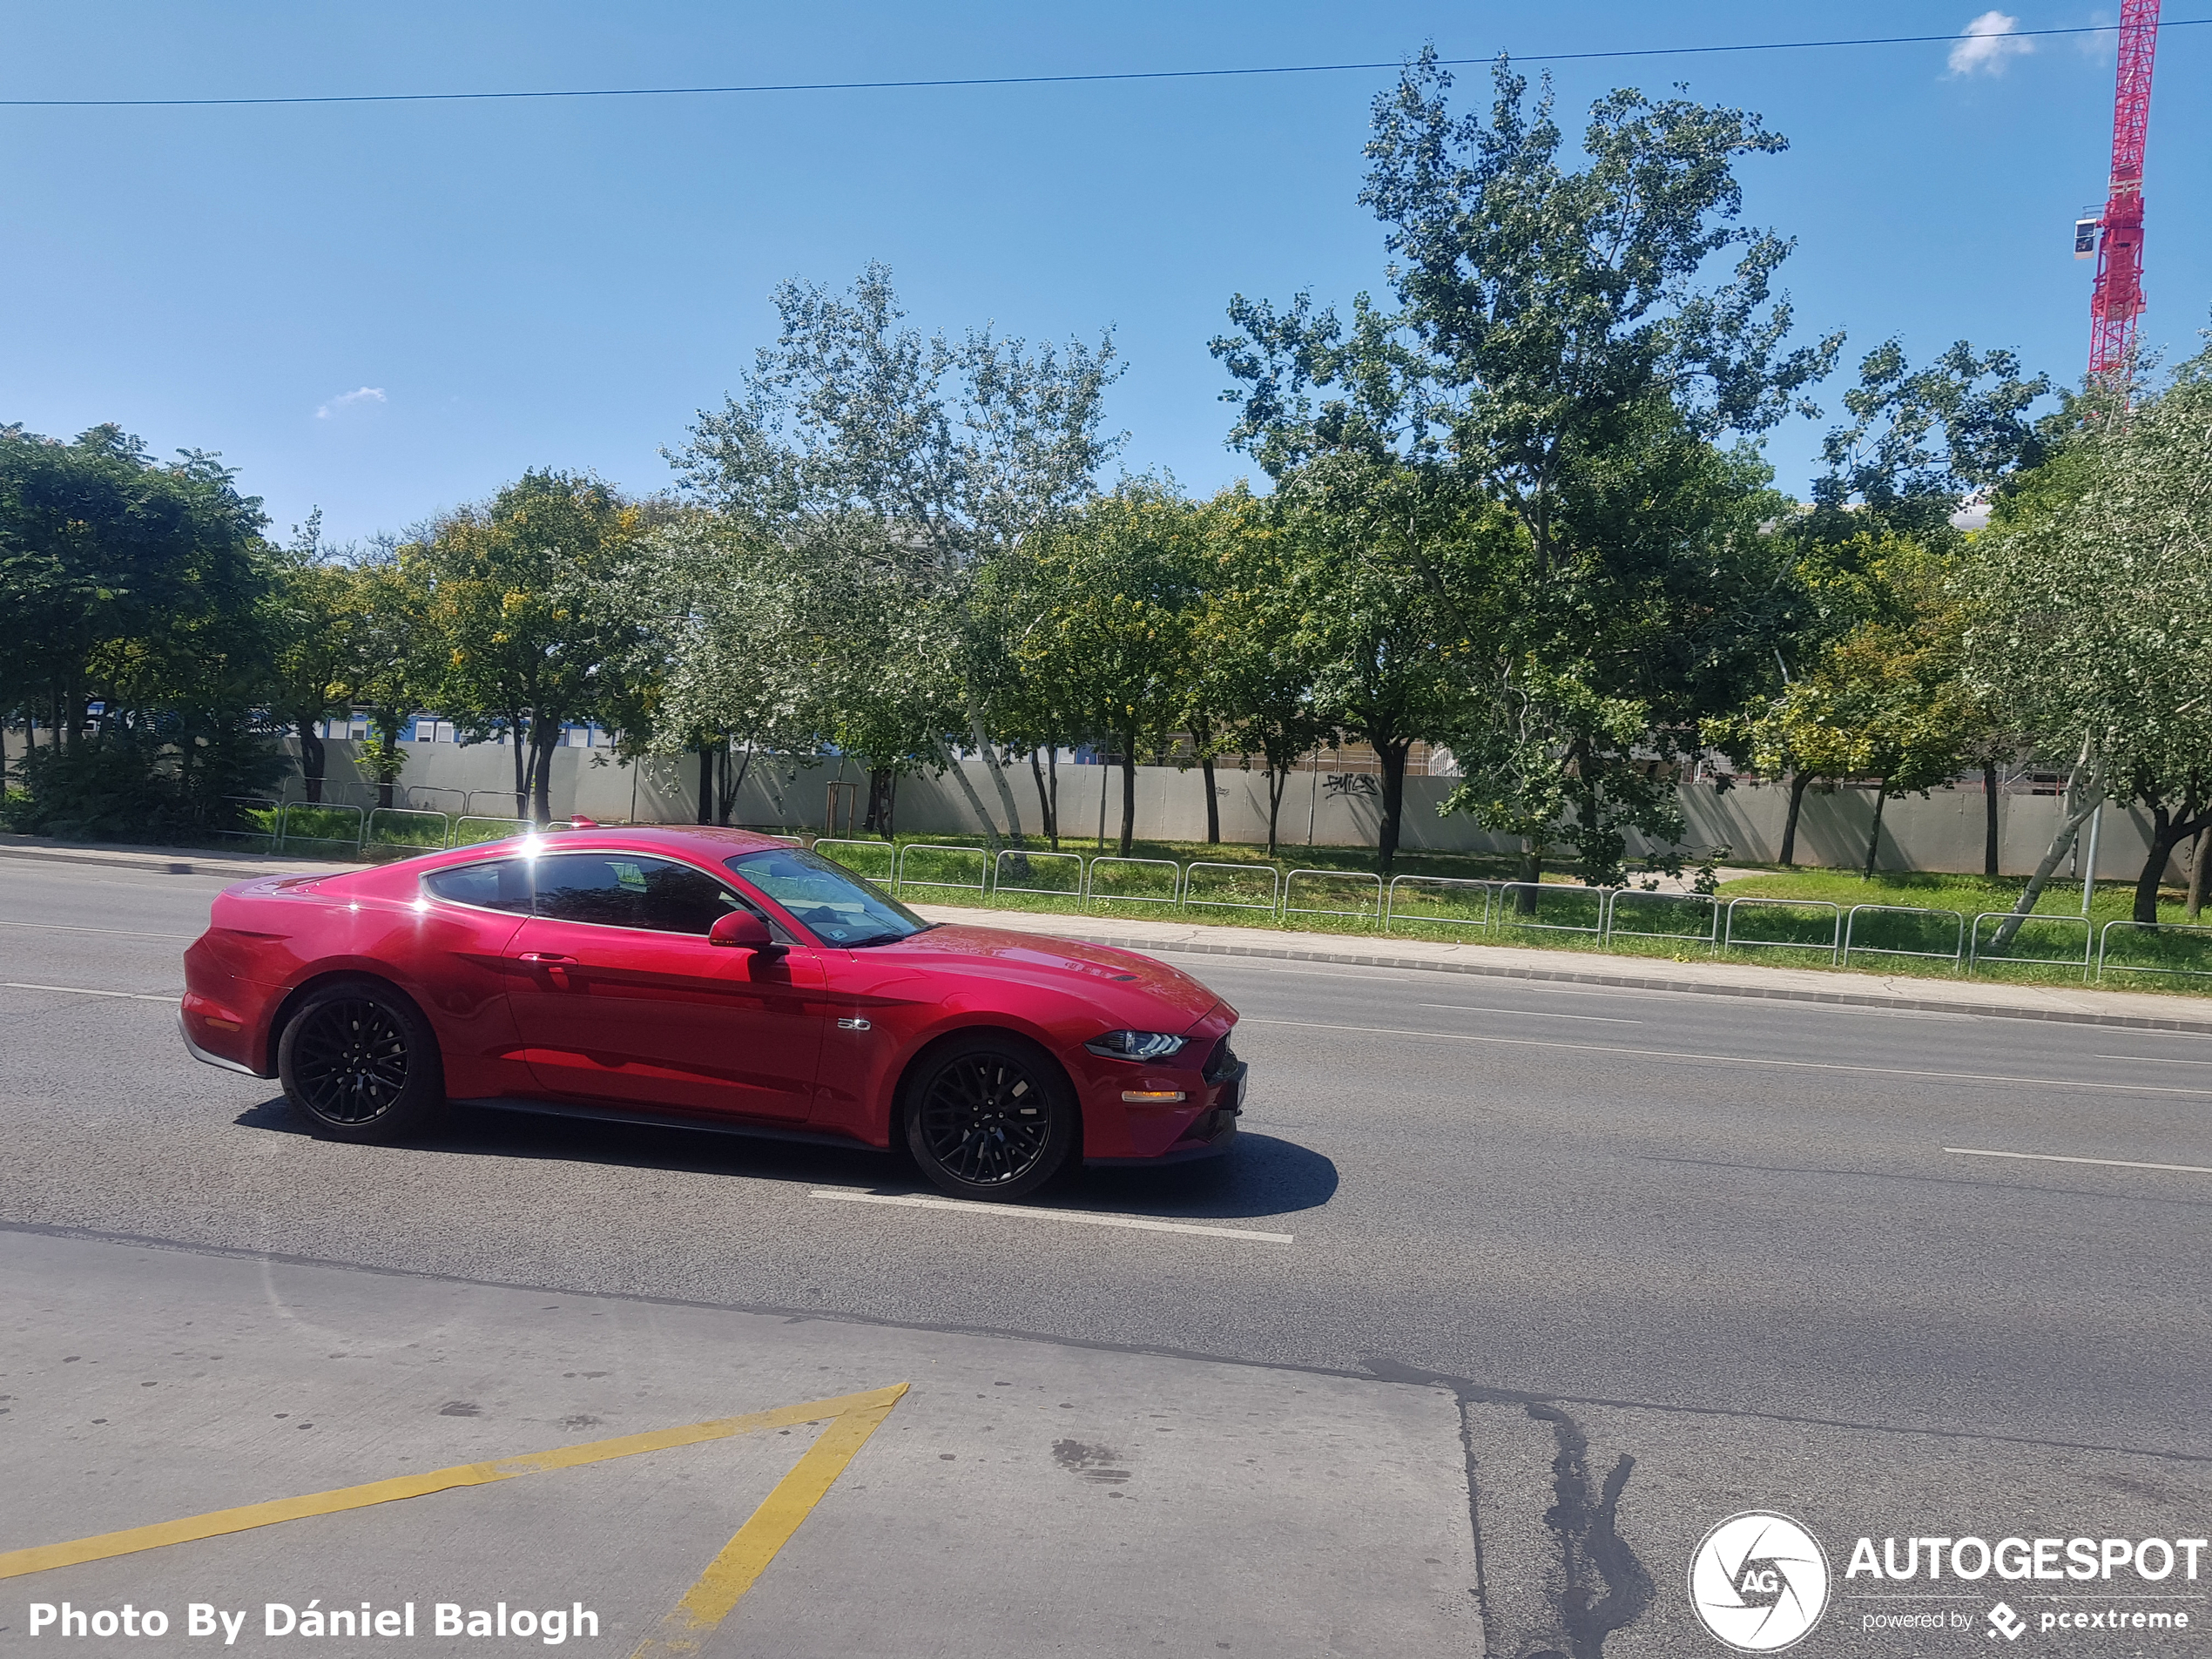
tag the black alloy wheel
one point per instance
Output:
(991, 1117)
(360, 1064)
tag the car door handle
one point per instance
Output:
(556, 965)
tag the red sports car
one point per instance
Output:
(707, 979)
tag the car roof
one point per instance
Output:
(707, 842)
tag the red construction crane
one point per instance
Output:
(2117, 301)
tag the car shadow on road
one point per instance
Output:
(1261, 1175)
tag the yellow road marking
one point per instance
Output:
(730, 1575)
(15, 1563)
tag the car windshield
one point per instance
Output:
(838, 907)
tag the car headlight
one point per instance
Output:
(1135, 1045)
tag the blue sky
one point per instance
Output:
(389, 310)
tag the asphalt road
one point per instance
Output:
(1757, 1250)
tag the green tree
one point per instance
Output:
(1102, 606)
(1885, 700)
(2094, 616)
(1366, 537)
(1249, 643)
(137, 587)
(397, 657)
(314, 611)
(1558, 351)
(105, 552)
(518, 592)
(904, 463)
(725, 643)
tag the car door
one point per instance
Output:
(620, 1000)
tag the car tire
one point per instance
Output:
(359, 1062)
(990, 1116)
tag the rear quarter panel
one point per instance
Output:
(270, 939)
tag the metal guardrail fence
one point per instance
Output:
(1977, 954)
(309, 822)
(488, 829)
(1139, 869)
(1521, 905)
(265, 814)
(1027, 865)
(1485, 891)
(1369, 896)
(1636, 898)
(1932, 924)
(407, 826)
(885, 851)
(937, 853)
(2173, 938)
(1227, 880)
(1805, 941)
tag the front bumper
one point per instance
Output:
(1178, 1135)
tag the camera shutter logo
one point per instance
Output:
(1759, 1581)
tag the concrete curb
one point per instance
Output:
(179, 861)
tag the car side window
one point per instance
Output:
(624, 890)
(502, 885)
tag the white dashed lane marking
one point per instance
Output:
(1024, 1213)
(86, 990)
(2055, 1157)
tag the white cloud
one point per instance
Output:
(1986, 43)
(347, 400)
(2101, 45)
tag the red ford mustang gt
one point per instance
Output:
(707, 979)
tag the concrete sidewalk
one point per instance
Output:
(1020, 1497)
(2067, 1004)
(2079, 1005)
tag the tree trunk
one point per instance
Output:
(950, 762)
(1393, 756)
(998, 774)
(1047, 807)
(2090, 773)
(521, 764)
(1989, 819)
(706, 781)
(387, 755)
(1874, 836)
(1129, 791)
(879, 813)
(542, 748)
(1213, 802)
(2197, 849)
(313, 759)
(1278, 782)
(1798, 781)
(1532, 871)
(2167, 833)
(730, 781)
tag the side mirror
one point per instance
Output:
(742, 930)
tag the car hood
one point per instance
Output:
(1120, 984)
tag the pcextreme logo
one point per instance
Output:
(1759, 1581)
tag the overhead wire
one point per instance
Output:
(1085, 78)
